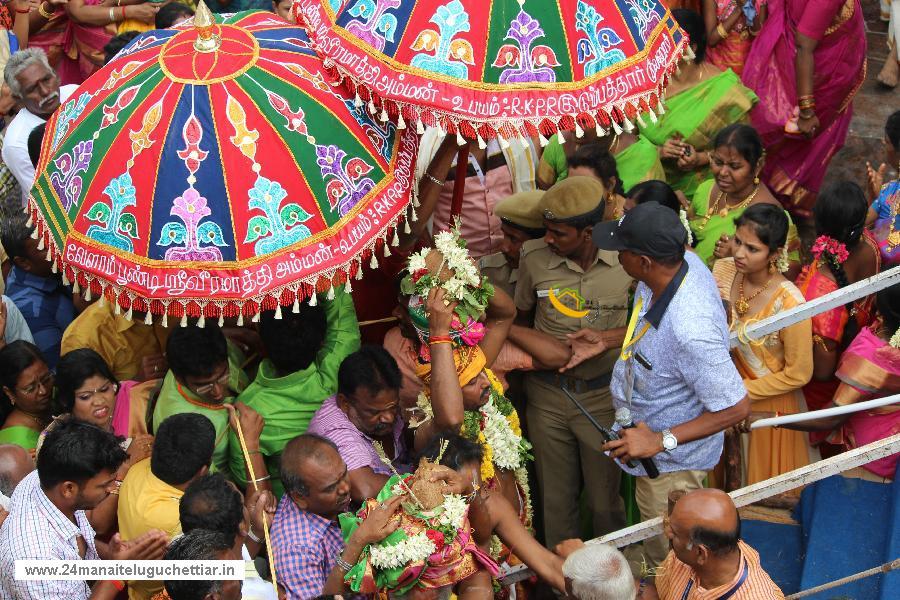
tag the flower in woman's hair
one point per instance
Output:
(895, 339)
(783, 263)
(682, 216)
(829, 246)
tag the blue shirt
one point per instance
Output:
(47, 307)
(686, 346)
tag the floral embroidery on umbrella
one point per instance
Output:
(372, 25)
(115, 225)
(450, 55)
(66, 179)
(192, 208)
(71, 110)
(281, 225)
(111, 112)
(645, 16)
(599, 43)
(526, 64)
(346, 185)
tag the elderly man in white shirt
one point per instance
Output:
(36, 85)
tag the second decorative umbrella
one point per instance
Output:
(210, 170)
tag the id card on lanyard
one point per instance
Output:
(628, 348)
(734, 589)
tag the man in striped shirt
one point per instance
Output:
(708, 560)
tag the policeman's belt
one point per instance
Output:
(574, 384)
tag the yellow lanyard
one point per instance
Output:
(630, 338)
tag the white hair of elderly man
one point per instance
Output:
(599, 572)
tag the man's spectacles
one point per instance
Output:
(45, 383)
(206, 388)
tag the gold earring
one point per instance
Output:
(772, 268)
(756, 180)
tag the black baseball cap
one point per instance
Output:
(649, 229)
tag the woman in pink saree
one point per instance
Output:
(806, 66)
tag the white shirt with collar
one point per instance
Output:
(15, 143)
(36, 529)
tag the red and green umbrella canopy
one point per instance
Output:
(499, 67)
(211, 170)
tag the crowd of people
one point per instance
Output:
(605, 274)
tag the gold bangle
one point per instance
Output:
(720, 29)
(112, 15)
(44, 13)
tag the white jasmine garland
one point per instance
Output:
(413, 549)
(682, 216)
(417, 262)
(522, 479)
(454, 512)
(498, 433)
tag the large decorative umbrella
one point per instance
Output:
(211, 171)
(499, 68)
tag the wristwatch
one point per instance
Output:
(670, 442)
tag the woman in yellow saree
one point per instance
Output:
(776, 367)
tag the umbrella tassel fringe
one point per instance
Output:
(504, 143)
(255, 317)
(420, 127)
(579, 132)
(184, 317)
(296, 307)
(560, 138)
(481, 143)
(330, 295)
(278, 311)
(348, 287)
(401, 124)
(240, 320)
(616, 128)
(221, 319)
(148, 318)
(313, 300)
(460, 140)
(373, 264)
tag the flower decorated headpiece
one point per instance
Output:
(448, 266)
(432, 547)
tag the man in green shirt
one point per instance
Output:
(305, 350)
(204, 376)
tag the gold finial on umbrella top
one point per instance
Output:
(207, 40)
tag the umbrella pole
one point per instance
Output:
(459, 183)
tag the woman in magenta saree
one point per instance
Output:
(810, 54)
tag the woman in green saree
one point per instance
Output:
(700, 100)
(27, 391)
(637, 159)
(737, 159)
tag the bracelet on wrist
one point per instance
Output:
(112, 15)
(23, 11)
(434, 179)
(720, 29)
(44, 12)
(122, 8)
(440, 339)
(252, 536)
(343, 564)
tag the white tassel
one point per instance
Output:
(359, 274)
(387, 249)
(118, 307)
(75, 287)
(560, 138)
(442, 131)
(413, 216)
(629, 126)
(504, 143)
(579, 132)
(65, 279)
(481, 143)
(255, 318)
(640, 121)
(348, 287)
(313, 300)
(661, 106)
(689, 52)
(357, 101)
(201, 322)
(330, 295)
(396, 239)
(523, 141)
(87, 292)
(278, 311)
(240, 321)
(372, 109)
(296, 307)
(130, 312)
(40, 244)
(53, 268)
(406, 228)
(384, 114)
(599, 129)
(148, 318)
(373, 264)
(50, 256)
(653, 118)
(401, 124)
(184, 318)
(221, 319)
(420, 127)
(460, 140)
(616, 128)
(30, 221)
(544, 141)
(102, 299)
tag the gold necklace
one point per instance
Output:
(723, 212)
(743, 304)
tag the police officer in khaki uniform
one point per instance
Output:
(520, 220)
(565, 284)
